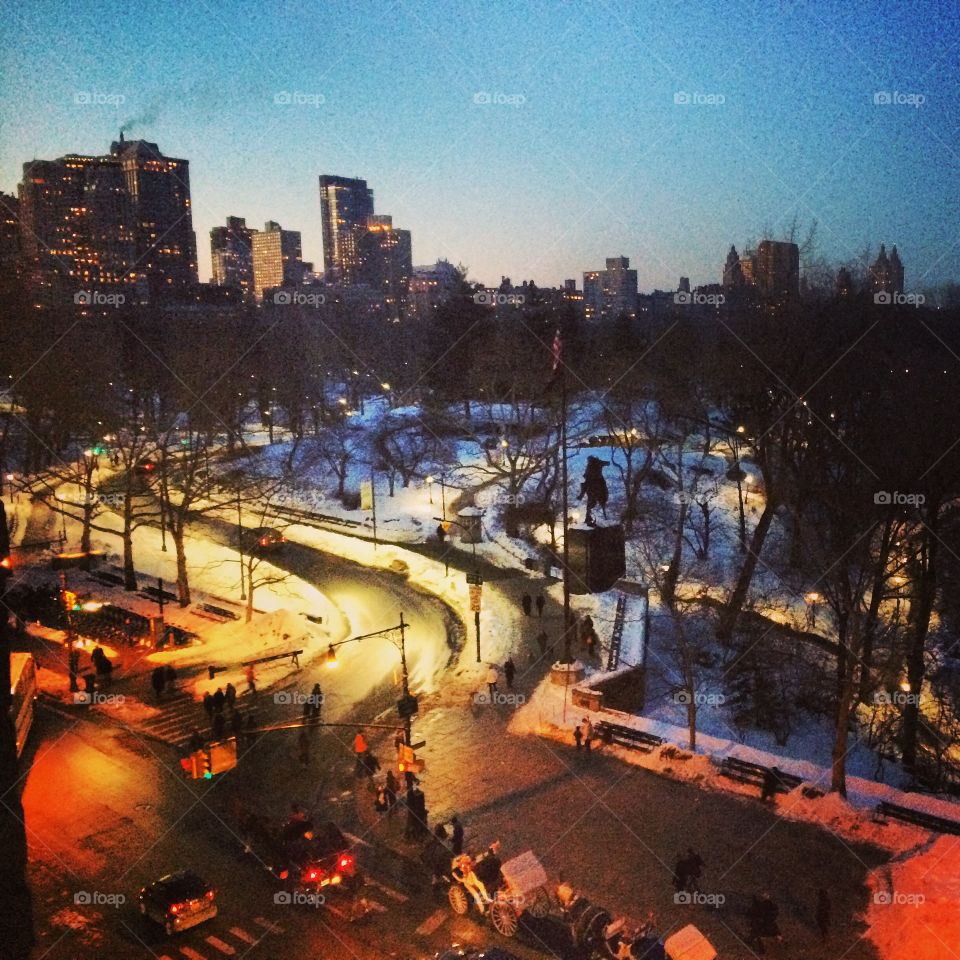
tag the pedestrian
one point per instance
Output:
(380, 803)
(578, 736)
(230, 696)
(73, 666)
(763, 914)
(303, 742)
(390, 789)
(526, 601)
(771, 781)
(170, 675)
(509, 671)
(316, 702)
(695, 867)
(208, 705)
(543, 642)
(591, 642)
(441, 533)
(219, 724)
(586, 627)
(196, 741)
(824, 908)
(587, 733)
(158, 680)
(492, 677)
(456, 841)
(359, 750)
(251, 680)
(219, 698)
(540, 604)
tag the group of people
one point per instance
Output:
(493, 676)
(527, 604)
(687, 872)
(221, 707)
(163, 678)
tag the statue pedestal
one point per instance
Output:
(567, 674)
(597, 558)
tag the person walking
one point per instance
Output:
(158, 680)
(824, 909)
(695, 867)
(526, 601)
(316, 703)
(251, 676)
(587, 733)
(509, 671)
(680, 875)
(541, 601)
(208, 706)
(391, 788)
(219, 698)
(578, 736)
(359, 752)
(543, 643)
(492, 677)
(456, 840)
(230, 696)
(73, 666)
(170, 675)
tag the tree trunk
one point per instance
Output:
(88, 508)
(838, 768)
(734, 606)
(183, 581)
(129, 571)
(249, 610)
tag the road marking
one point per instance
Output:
(217, 943)
(389, 891)
(432, 923)
(374, 905)
(268, 925)
(192, 954)
(242, 934)
(336, 910)
(354, 839)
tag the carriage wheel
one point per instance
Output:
(503, 917)
(540, 906)
(459, 901)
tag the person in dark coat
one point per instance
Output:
(680, 874)
(526, 601)
(456, 842)
(695, 867)
(541, 601)
(316, 702)
(171, 677)
(158, 680)
(441, 533)
(230, 696)
(219, 698)
(824, 909)
(578, 736)
(73, 662)
(509, 671)
(208, 705)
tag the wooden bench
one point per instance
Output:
(293, 654)
(917, 818)
(627, 736)
(746, 772)
(216, 611)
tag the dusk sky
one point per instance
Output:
(582, 152)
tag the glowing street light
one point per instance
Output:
(429, 480)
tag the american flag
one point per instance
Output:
(557, 350)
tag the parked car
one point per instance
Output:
(178, 901)
(262, 540)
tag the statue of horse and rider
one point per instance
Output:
(594, 487)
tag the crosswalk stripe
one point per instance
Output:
(432, 923)
(242, 934)
(192, 954)
(389, 891)
(375, 905)
(218, 944)
(355, 839)
(268, 925)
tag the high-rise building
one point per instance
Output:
(886, 273)
(346, 205)
(611, 293)
(277, 258)
(10, 250)
(432, 285)
(77, 227)
(386, 262)
(158, 188)
(777, 270)
(231, 251)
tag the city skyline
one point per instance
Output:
(633, 145)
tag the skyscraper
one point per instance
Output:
(277, 259)
(231, 252)
(611, 293)
(345, 207)
(386, 262)
(159, 193)
(777, 271)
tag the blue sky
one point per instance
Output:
(582, 152)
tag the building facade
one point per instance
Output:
(231, 253)
(346, 206)
(611, 293)
(886, 272)
(777, 271)
(277, 258)
(386, 262)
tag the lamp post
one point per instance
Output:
(243, 585)
(474, 580)
(429, 480)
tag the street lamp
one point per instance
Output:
(429, 480)
(475, 579)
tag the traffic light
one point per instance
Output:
(407, 761)
(208, 764)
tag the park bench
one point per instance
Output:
(293, 654)
(108, 579)
(628, 736)
(917, 818)
(154, 593)
(216, 611)
(746, 772)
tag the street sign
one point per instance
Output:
(475, 592)
(475, 579)
(366, 494)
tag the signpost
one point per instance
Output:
(476, 588)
